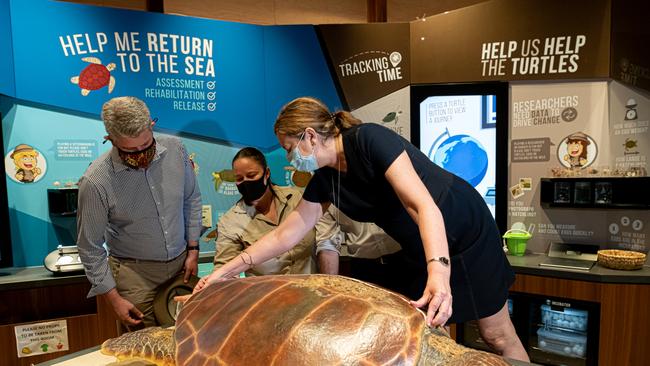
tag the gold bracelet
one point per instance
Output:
(250, 259)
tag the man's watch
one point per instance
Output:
(193, 247)
(443, 260)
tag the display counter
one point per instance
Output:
(529, 264)
(623, 298)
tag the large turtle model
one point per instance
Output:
(296, 320)
(94, 76)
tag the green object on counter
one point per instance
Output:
(516, 241)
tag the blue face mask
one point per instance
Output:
(303, 163)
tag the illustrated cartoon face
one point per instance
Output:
(26, 161)
(574, 148)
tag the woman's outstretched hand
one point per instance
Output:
(216, 276)
(438, 295)
(204, 282)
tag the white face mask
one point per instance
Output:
(303, 163)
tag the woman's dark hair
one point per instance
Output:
(251, 153)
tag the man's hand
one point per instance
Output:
(124, 309)
(191, 266)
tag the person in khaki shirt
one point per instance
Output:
(262, 208)
(360, 250)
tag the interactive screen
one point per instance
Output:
(456, 126)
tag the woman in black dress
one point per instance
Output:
(372, 174)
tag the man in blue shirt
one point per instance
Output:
(141, 199)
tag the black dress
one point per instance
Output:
(480, 273)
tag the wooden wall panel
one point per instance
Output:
(410, 10)
(625, 325)
(45, 303)
(320, 12)
(548, 286)
(292, 11)
(270, 12)
(243, 11)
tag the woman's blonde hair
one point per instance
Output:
(305, 112)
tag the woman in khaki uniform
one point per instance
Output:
(262, 208)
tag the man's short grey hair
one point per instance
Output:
(125, 116)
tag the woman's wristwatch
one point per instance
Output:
(193, 247)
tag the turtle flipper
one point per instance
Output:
(85, 92)
(154, 344)
(92, 60)
(74, 79)
(111, 84)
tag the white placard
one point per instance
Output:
(40, 338)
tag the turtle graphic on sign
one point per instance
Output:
(392, 116)
(630, 146)
(95, 76)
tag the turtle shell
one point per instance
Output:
(297, 320)
(94, 76)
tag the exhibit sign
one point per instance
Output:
(629, 121)
(496, 40)
(552, 126)
(41, 338)
(576, 130)
(198, 76)
(372, 63)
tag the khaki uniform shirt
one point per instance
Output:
(352, 238)
(242, 226)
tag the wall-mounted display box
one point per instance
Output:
(596, 192)
(62, 201)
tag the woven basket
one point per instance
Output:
(621, 259)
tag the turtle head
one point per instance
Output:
(110, 66)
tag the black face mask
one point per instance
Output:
(252, 190)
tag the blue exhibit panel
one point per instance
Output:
(295, 67)
(34, 232)
(198, 76)
(7, 86)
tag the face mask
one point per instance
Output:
(138, 159)
(252, 190)
(303, 163)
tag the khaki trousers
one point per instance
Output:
(137, 281)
